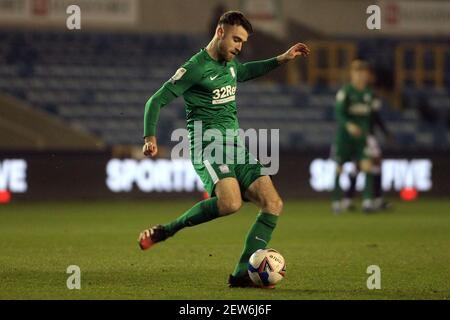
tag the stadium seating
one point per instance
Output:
(101, 81)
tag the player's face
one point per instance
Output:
(360, 77)
(231, 39)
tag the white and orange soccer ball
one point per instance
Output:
(266, 267)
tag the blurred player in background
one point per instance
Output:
(208, 84)
(374, 151)
(354, 106)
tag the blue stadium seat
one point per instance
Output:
(101, 82)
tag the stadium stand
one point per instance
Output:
(26, 128)
(101, 81)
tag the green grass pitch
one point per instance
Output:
(327, 256)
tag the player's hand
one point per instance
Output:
(353, 130)
(150, 147)
(297, 50)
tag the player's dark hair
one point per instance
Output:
(236, 18)
(360, 64)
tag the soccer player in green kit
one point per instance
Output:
(207, 81)
(375, 153)
(353, 114)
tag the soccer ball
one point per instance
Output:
(266, 267)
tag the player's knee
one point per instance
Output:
(231, 206)
(366, 165)
(273, 205)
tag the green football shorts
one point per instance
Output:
(236, 162)
(349, 150)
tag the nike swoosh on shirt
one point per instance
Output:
(213, 78)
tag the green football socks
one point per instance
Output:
(201, 212)
(368, 187)
(337, 192)
(257, 238)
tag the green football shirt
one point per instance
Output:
(209, 89)
(354, 106)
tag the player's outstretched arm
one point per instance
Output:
(255, 69)
(297, 50)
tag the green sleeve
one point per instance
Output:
(151, 114)
(254, 69)
(341, 107)
(181, 81)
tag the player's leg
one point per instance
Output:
(263, 194)
(225, 199)
(377, 192)
(368, 195)
(341, 153)
(336, 204)
(370, 164)
(379, 202)
(375, 153)
(347, 202)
